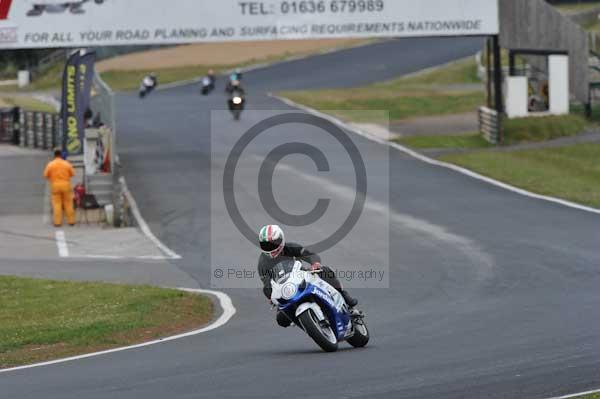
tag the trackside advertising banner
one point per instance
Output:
(84, 23)
(76, 90)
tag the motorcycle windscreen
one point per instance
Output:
(281, 271)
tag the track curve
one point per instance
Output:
(491, 294)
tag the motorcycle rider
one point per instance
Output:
(236, 88)
(211, 76)
(150, 81)
(274, 247)
(237, 75)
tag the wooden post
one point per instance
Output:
(488, 56)
(498, 101)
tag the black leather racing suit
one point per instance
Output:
(293, 251)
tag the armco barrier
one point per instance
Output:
(489, 125)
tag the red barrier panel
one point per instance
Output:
(4, 8)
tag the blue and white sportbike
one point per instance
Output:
(316, 307)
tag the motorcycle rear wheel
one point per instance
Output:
(361, 334)
(323, 336)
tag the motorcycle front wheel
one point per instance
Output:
(320, 332)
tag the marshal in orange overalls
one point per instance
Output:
(59, 173)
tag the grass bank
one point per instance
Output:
(464, 141)
(591, 396)
(27, 103)
(42, 319)
(131, 79)
(441, 91)
(516, 131)
(535, 129)
(570, 172)
(577, 7)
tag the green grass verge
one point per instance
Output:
(43, 319)
(466, 141)
(592, 27)
(436, 92)
(28, 103)
(577, 7)
(49, 80)
(459, 72)
(532, 129)
(118, 80)
(129, 80)
(592, 396)
(402, 106)
(570, 172)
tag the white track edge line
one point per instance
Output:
(143, 225)
(121, 257)
(574, 395)
(435, 162)
(61, 244)
(224, 301)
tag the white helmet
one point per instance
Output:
(272, 240)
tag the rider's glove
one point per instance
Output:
(315, 266)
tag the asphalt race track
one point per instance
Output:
(491, 294)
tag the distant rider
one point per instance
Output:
(237, 75)
(150, 81)
(235, 90)
(236, 87)
(274, 248)
(211, 75)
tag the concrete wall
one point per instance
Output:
(536, 25)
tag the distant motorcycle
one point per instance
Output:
(316, 307)
(208, 85)
(149, 83)
(236, 103)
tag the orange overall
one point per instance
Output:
(59, 173)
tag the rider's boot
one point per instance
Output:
(283, 320)
(352, 302)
